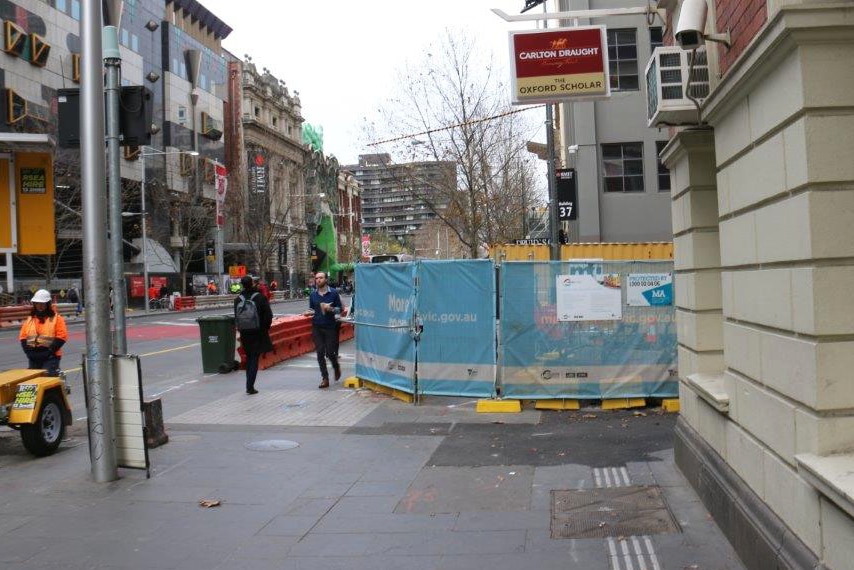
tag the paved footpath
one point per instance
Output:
(372, 483)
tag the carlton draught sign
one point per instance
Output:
(549, 66)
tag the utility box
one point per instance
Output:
(135, 115)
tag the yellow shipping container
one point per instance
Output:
(662, 250)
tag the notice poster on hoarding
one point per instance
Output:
(649, 289)
(589, 297)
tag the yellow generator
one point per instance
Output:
(37, 406)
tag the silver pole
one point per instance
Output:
(102, 452)
(113, 62)
(146, 284)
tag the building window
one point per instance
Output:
(275, 122)
(258, 112)
(663, 173)
(623, 59)
(656, 38)
(623, 167)
(60, 5)
(75, 9)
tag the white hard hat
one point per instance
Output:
(41, 296)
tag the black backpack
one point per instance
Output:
(246, 314)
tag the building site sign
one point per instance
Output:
(649, 289)
(594, 297)
(548, 66)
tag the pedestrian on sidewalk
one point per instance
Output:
(43, 334)
(324, 304)
(253, 318)
(74, 297)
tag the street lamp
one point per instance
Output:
(143, 154)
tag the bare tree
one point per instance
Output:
(452, 107)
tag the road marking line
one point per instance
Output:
(639, 552)
(615, 560)
(652, 555)
(598, 477)
(627, 555)
(625, 473)
(155, 353)
(607, 477)
(616, 475)
(171, 324)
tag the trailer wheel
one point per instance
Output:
(43, 437)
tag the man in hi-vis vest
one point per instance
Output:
(43, 334)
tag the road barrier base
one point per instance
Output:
(623, 403)
(561, 404)
(499, 406)
(388, 391)
(352, 382)
(670, 405)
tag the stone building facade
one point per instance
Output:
(763, 210)
(272, 212)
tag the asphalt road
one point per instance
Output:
(167, 342)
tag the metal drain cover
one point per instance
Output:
(271, 445)
(618, 511)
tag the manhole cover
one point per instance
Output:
(619, 511)
(271, 445)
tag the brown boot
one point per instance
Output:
(324, 383)
(337, 374)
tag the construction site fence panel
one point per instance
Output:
(581, 330)
(455, 312)
(385, 315)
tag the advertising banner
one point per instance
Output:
(366, 246)
(456, 349)
(649, 289)
(384, 317)
(221, 185)
(556, 65)
(567, 199)
(543, 357)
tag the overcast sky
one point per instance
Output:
(341, 55)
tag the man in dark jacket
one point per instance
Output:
(324, 304)
(254, 342)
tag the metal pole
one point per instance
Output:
(146, 285)
(113, 62)
(102, 452)
(554, 245)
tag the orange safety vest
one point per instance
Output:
(38, 334)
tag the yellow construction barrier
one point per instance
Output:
(499, 406)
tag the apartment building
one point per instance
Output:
(396, 197)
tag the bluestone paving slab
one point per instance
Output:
(334, 523)
(309, 506)
(455, 489)
(349, 506)
(490, 520)
(576, 560)
(378, 488)
(326, 490)
(443, 543)
(290, 525)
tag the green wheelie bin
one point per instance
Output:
(218, 342)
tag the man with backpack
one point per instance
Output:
(253, 317)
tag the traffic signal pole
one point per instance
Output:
(102, 450)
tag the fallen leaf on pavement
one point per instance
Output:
(639, 414)
(589, 416)
(208, 503)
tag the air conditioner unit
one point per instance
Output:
(666, 85)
